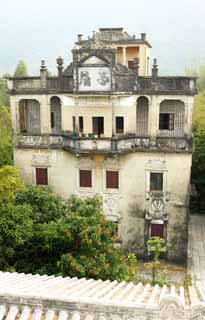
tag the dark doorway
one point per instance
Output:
(98, 125)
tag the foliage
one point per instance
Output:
(6, 149)
(198, 164)
(47, 205)
(10, 183)
(157, 246)
(198, 168)
(68, 237)
(21, 69)
(4, 97)
(16, 229)
(187, 281)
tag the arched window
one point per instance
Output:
(142, 116)
(55, 115)
(172, 118)
(29, 116)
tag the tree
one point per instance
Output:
(16, 229)
(21, 69)
(6, 153)
(198, 168)
(156, 247)
(10, 183)
(71, 238)
(4, 97)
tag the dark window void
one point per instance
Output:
(112, 179)
(157, 230)
(80, 124)
(29, 116)
(73, 123)
(166, 121)
(130, 64)
(86, 178)
(142, 116)
(119, 124)
(98, 125)
(55, 105)
(52, 120)
(156, 181)
(41, 176)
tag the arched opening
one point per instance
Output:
(29, 116)
(55, 110)
(172, 118)
(142, 116)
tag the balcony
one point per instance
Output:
(113, 145)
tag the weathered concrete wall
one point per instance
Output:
(128, 203)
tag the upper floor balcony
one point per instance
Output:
(115, 145)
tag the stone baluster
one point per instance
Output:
(63, 315)
(50, 314)
(37, 314)
(2, 311)
(25, 313)
(13, 311)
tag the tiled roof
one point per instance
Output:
(26, 296)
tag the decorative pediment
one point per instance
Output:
(156, 164)
(93, 60)
(41, 160)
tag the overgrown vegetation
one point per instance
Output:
(198, 164)
(41, 232)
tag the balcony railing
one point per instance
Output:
(105, 145)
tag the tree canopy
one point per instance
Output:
(21, 69)
(54, 236)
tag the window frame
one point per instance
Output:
(161, 182)
(115, 185)
(37, 178)
(81, 124)
(170, 121)
(90, 179)
(117, 129)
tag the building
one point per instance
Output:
(106, 125)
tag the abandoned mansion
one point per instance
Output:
(108, 124)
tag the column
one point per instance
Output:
(124, 56)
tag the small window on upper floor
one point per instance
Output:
(80, 124)
(119, 124)
(130, 64)
(74, 124)
(166, 121)
(52, 120)
(85, 178)
(156, 181)
(112, 179)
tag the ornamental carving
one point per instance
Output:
(41, 160)
(111, 206)
(156, 164)
(86, 163)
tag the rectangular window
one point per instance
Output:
(130, 64)
(23, 118)
(166, 121)
(74, 124)
(112, 179)
(157, 230)
(85, 178)
(119, 124)
(156, 181)
(41, 176)
(80, 124)
(98, 125)
(52, 119)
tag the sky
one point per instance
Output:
(45, 29)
